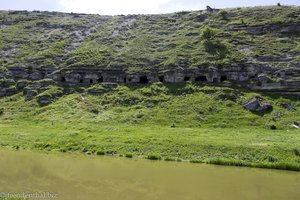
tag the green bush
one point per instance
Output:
(128, 155)
(296, 152)
(228, 162)
(208, 33)
(153, 157)
(100, 152)
(216, 48)
(223, 14)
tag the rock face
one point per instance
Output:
(17, 79)
(29, 94)
(49, 95)
(44, 100)
(262, 78)
(142, 49)
(2, 92)
(7, 87)
(256, 105)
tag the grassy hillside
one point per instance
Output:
(183, 122)
(149, 42)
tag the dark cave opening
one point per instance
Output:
(144, 79)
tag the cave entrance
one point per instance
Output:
(253, 76)
(161, 79)
(81, 80)
(100, 80)
(201, 79)
(91, 81)
(187, 78)
(223, 78)
(63, 79)
(144, 79)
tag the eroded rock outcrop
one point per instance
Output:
(257, 105)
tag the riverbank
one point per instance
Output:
(195, 123)
(250, 148)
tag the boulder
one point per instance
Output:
(252, 105)
(2, 92)
(44, 100)
(11, 91)
(296, 125)
(255, 105)
(22, 84)
(29, 94)
(7, 91)
(36, 76)
(209, 9)
(48, 95)
(287, 107)
(265, 107)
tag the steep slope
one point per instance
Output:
(256, 48)
(137, 42)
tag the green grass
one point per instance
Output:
(200, 124)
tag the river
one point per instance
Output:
(72, 177)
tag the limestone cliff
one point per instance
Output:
(257, 48)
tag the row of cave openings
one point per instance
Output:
(99, 80)
(145, 80)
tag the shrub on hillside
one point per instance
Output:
(223, 14)
(212, 44)
(216, 48)
(153, 156)
(154, 90)
(208, 33)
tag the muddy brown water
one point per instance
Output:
(74, 177)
